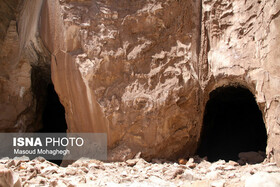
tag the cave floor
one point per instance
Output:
(138, 172)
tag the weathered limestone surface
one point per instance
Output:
(141, 71)
(130, 72)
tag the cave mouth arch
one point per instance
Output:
(232, 124)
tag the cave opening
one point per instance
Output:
(50, 113)
(232, 124)
(53, 117)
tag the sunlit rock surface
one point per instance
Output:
(141, 71)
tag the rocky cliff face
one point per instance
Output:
(141, 71)
(130, 72)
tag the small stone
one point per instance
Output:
(34, 174)
(62, 175)
(131, 162)
(11, 163)
(221, 162)
(191, 160)
(70, 171)
(232, 163)
(138, 155)
(182, 161)
(22, 167)
(191, 165)
(229, 168)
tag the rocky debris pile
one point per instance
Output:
(137, 172)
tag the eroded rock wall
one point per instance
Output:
(143, 73)
(128, 69)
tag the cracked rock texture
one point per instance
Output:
(128, 69)
(141, 71)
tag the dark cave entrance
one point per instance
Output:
(50, 113)
(232, 124)
(53, 117)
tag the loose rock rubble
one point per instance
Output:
(138, 172)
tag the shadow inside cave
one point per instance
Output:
(53, 117)
(232, 124)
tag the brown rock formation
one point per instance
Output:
(128, 72)
(20, 50)
(141, 71)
